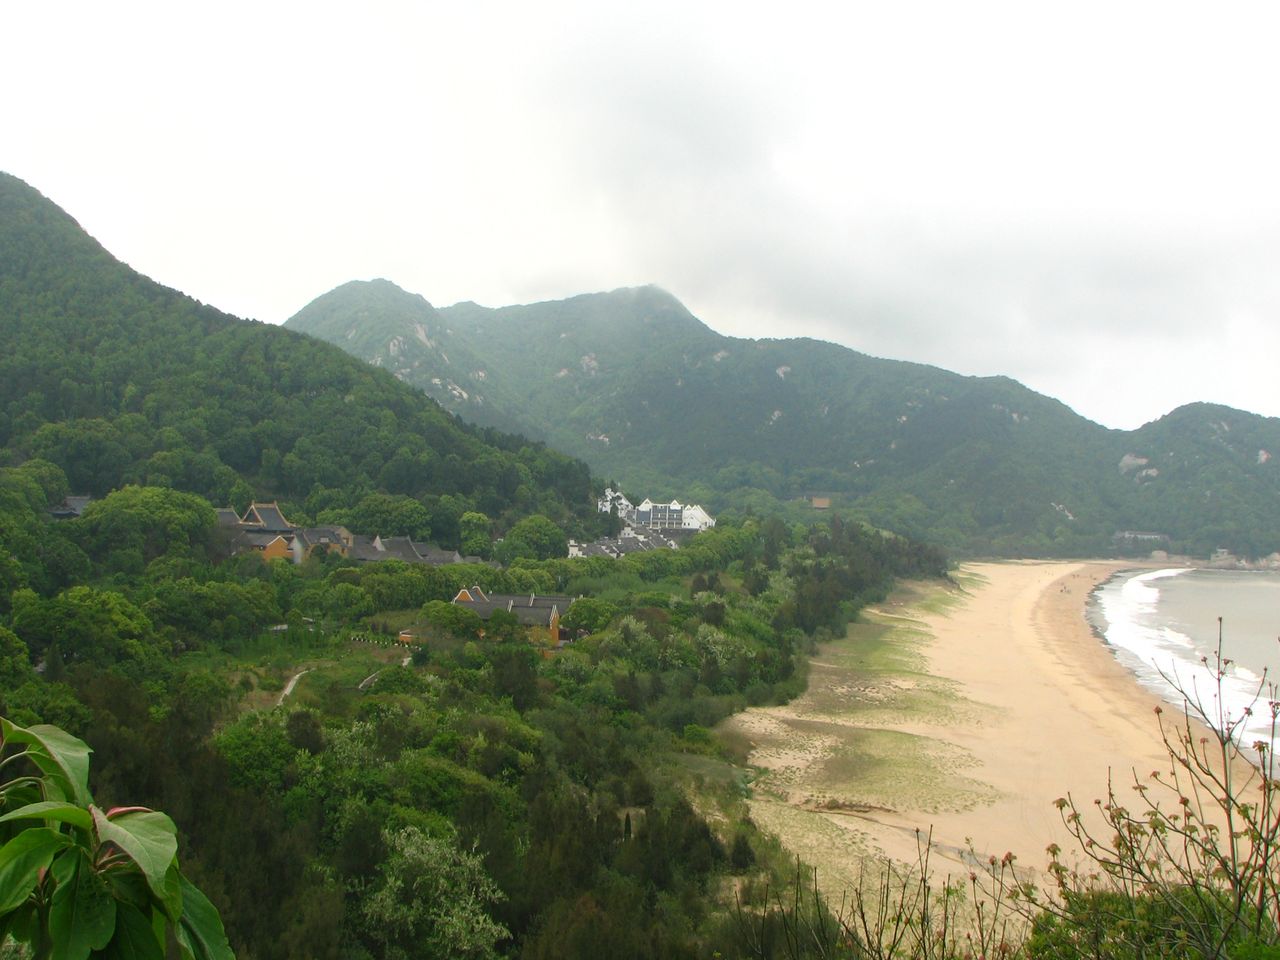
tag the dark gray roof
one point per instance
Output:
(331, 533)
(71, 506)
(362, 548)
(227, 517)
(529, 609)
(484, 609)
(399, 548)
(436, 556)
(324, 536)
(268, 517)
(535, 600)
(535, 616)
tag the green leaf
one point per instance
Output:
(200, 933)
(134, 939)
(59, 755)
(149, 839)
(21, 924)
(172, 900)
(22, 859)
(52, 810)
(159, 927)
(22, 795)
(64, 866)
(83, 914)
(130, 887)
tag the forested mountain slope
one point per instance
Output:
(490, 792)
(633, 383)
(118, 379)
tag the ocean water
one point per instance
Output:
(1164, 626)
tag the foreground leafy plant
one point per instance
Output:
(79, 881)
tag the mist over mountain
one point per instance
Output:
(646, 393)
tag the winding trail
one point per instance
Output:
(293, 682)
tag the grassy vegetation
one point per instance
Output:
(833, 753)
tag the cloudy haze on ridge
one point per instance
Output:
(1086, 202)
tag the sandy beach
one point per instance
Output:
(965, 712)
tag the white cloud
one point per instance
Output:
(1080, 197)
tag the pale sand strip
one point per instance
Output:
(996, 706)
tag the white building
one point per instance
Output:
(660, 516)
(615, 499)
(656, 516)
(695, 518)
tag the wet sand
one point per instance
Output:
(964, 712)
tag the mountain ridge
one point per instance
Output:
(632, 382)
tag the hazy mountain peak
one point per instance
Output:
(632, 382)
(385, 290)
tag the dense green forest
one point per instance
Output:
(482, 799)
(646, 393)
(484, 796)
(119, 380)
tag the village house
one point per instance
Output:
(539, 613)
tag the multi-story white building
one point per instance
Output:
(656, 516)
(660, 516)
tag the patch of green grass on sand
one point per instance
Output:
(846, 745)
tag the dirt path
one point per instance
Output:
(293, 682)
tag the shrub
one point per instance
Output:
(75, 878)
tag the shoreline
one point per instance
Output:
(957, 714)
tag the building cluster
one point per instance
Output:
(655, 516)
(649, 526)
(631, 540)
(264, 528)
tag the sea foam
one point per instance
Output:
(1172, 664)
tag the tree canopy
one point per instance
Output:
(119, 381)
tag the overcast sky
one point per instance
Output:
(1082, 196)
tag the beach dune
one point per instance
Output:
(961, 718)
